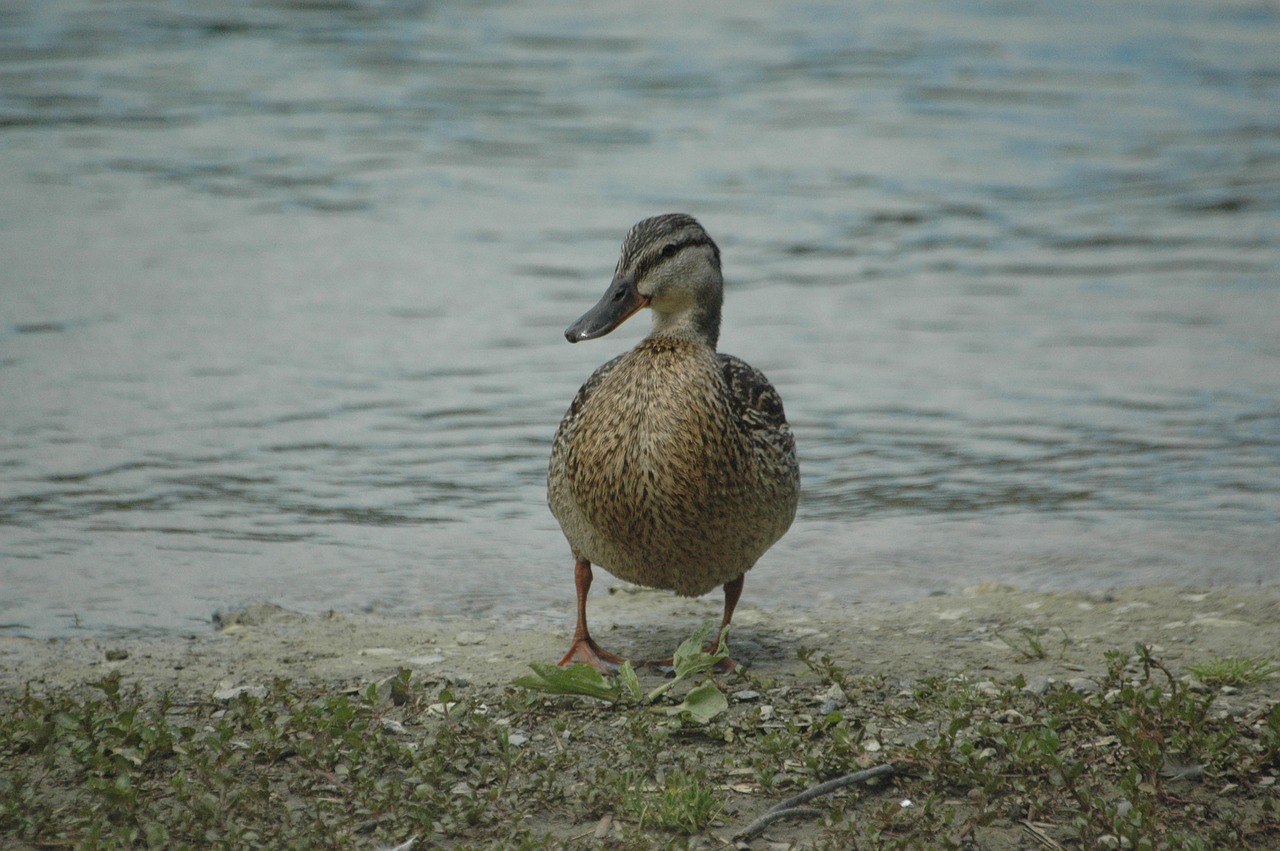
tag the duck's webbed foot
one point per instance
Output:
(585, 649)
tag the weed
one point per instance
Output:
(1030, 645)
(1233, 671)
(702, 703)
(683, 802)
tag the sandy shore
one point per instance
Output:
(938, 635)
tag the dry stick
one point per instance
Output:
(791, 806)
(757, 827)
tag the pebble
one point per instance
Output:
(232, 692)
(1037, 685)
(745, 695)
(1084, 685)
(466, 638)
(428, 659)
(835, 695)
(987, 688)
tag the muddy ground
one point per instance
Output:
(936, 635)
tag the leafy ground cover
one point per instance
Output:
(1137, 756)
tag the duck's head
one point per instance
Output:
(670, 265)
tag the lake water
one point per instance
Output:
(284, 286)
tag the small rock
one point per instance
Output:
(1084, 685)
(1037, 685)
(256, 614)
(427, 659)
(517, 739)
(745, 695)
(232, 692)
(467, 638)
(117, 655)
(835, 695)
(1193, 684)
(987, 688)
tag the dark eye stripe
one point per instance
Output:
(671, 249)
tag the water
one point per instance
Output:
(284, 285)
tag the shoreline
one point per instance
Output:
(964, 633)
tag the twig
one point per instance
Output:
(832, 785)
(757, 827)
(1045, 840)
(791, 806)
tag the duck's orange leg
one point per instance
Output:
(584, 648)
(732, 591)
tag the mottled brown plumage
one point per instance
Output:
(674, 467)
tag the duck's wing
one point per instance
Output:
(565, 432)
(589, 387)
(757, 405)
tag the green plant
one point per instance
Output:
(680, 801)
(701, 704)
(1233, 671)
(1030, 644)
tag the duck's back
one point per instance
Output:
(674, 467)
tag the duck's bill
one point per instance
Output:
(620, 301)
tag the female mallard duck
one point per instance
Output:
(674, 467)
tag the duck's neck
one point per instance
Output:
(700, 323)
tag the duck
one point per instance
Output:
(674, 466)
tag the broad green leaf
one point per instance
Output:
(578, 678)
(690, 657)
(701, 704)
(630, 682)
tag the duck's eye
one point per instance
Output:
(669, 250)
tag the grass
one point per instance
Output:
(1143, 762)
(1029, 645)
(1233, 671)
(681, 802)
